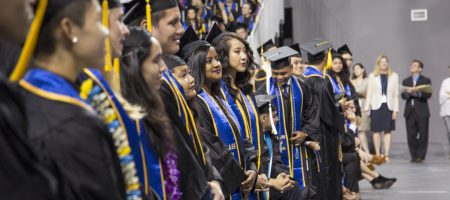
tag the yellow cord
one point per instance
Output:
(105, 20)
(30, 43)
(148, 11)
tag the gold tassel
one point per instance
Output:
(148, 12)
(116, 76)
(263, 61)
(30, 42)
(105, 20)
(329, 62)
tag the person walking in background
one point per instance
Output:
(383, 102)
(417, 113)
(444, 101)
(360, 81)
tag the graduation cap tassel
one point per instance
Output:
(148, 12)
(329, 62)
(105, 20)
(262, 57)
(116, 75)
(30, 42)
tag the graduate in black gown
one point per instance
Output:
(282, 187)
(218, 125)
(22, 175)
(179, 88)
(295, 109)
(141, 80)
(236, 58)
(330, 119)
(166, 27)
(62, 128)
(338, 75)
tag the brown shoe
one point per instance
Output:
(378, 160)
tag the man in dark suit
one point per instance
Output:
(416, 113)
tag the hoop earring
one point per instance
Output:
(75, 39)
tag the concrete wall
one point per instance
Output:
(384, 26)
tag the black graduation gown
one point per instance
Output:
(76, 146)
(195, 174)
(328, 136)
(222, 159)
(21, 174)
(309, 125)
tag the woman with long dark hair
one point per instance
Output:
(339, 78)
(220, 127)
(63, 128)
(236, 57)
(141, 78)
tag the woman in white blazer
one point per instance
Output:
(383, 103)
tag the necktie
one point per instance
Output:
(286, 90)
(414, 85)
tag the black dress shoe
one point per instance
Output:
(387, 182)
(377, 183)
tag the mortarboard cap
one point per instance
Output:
(344, 49)
(189, 41)
(213, 33)
(267, 45)
(296, 47)
(173, 61)
(136, 9)
(279, 58)
(262, 102)
(316, 46)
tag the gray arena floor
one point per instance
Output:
(429, 180)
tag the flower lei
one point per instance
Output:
(172, 175)
(98, 99)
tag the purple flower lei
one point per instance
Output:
(171, 175)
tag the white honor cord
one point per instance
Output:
(272, 123)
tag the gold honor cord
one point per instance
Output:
(241, 162)
(258, 130)
(30, 42)
(144, 159)
(291, 166)
(189, 118)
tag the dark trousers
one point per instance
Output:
(352, 171)
(417, 131)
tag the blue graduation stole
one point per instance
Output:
(185, 112)
(247, 116)
(54, 87)
(291, 155)
(153, 173)
(339, 88)
(146, 167)
(312, 71)
(220, 122)
(228, 136)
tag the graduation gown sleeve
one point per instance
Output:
(76, 146)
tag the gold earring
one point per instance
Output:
(75, 39)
